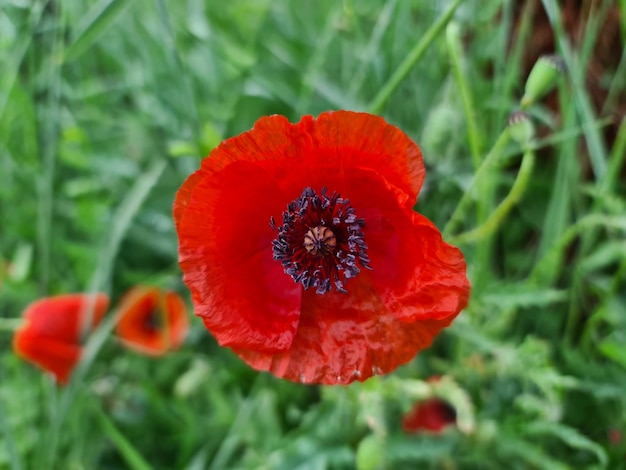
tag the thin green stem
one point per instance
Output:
(597, 152)
(125, 213)
(8, 437)
(18, 52)
(131, 456)
(316, 62)
(497, 217)
(10, 324)
(455, 51)
(49, 115)
(547, 267)
(229, 443)
(489, 161)
(616, 159)
(414, 56)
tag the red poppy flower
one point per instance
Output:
(152, 321)
(50, 336)
(432, 415)
(303, 254)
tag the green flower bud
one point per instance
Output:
(543, 78)
(370, 454)
(521, 128)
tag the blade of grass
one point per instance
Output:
(229, 442)
(190, 102)
(455, 52)
(496, 218)
(100, 17)
(7, 436)
(414, 56)
(545, 270)
(616, 160)
(131, 456)
(373, 46)
(316, 62)
(49, 117)
(509, 59)
(124, 215)
(597, 152)
(18, 53)
(558, 214)
(487, 164)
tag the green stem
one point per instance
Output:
(616, 159)
(453, 37)
(130, 455)
(11, 324)
(123, 217)
(595, 144)
(415, 55)
(492, 157)
(546, 269)
(499, 214)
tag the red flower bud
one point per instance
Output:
(53, 328)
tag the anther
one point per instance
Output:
(320, 242)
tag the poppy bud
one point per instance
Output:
(152, 321)
(520, 127)
(543, 78)
(370, 453)
(51, 335)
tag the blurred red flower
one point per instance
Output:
(152, 321)
(349, 282)
(51, 334)
(432, 415)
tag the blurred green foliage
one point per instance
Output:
(107, 105)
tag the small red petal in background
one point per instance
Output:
(51, 334)
(615, 437)
(152, 321)
(432, 415)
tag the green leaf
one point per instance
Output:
(524, 295)
(131, 456)
(614, 351)
(569, 436)
(94, 24)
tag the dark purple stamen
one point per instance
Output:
(320, 241)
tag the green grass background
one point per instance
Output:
(106, 106)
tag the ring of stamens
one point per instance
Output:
(321, 242)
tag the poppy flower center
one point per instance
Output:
(153, 321)
(320, 243)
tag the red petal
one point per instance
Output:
(178, 322)
(337, 140)
(389, 313)
(137, 309)
(362, 140)
(416, 273)
(50, 336)
(431, 415)
(242, 294)
(56, 357)
(417, 285)
(61, 317)
(343, 337)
